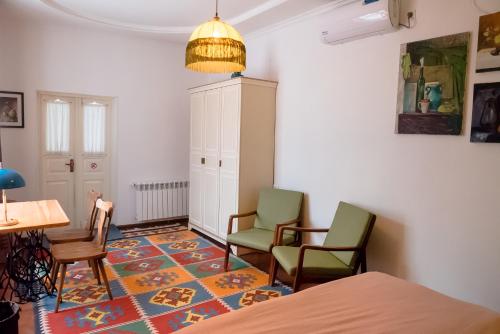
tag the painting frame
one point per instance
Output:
(11, 109)
(485, 119)
(435, 72)
(488, 43)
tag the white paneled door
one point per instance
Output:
(210, 161)
(229, 155)
(195, 174)
(76, 146)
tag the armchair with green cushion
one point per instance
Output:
(341, 255)
(276, 208)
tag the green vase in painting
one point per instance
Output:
(434, 93)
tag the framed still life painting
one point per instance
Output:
(485, 126)
(432, 85)
(488, 43)
(11, 109)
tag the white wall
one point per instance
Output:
(147, 77)
(437, 197)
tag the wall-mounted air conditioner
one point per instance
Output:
(361, 19)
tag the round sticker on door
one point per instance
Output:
(93, 166)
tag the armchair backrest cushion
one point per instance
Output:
(277, 206)
(350, 227)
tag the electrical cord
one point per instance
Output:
(409, 16)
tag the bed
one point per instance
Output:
(367, 303)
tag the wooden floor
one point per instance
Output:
(26, 317)
(26, 321)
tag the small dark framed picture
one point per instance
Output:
(486, 113)
(11, 109)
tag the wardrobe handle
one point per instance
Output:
(202, 161)
(220, 163)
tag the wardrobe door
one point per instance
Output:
(196, 149)
(210, 171)
(229, 155)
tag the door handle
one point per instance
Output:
(202, 161)
(71, 165)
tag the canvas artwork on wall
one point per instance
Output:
(431, 86)
(485, 126)
(11, 110)
(488, 43)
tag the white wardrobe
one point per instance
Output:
(232, 151)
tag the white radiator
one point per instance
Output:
(161, 200)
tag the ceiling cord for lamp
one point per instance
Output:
(409, 18)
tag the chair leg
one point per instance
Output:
(95, 270)
(50, 281)
(273, 270)
(296, 282)
(61, 285)
(53, 277)
(105, 278)
(363, 263)
(226, 256)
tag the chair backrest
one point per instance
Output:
(92, 197)
(277, 206)
(351, 227)
(105, 213)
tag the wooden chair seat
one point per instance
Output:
(68, 235)
(77, 251)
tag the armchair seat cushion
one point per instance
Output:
(257, 238)
(316, 262)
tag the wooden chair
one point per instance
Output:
(341, 255)
(78, 234)
(92, 251)
(276, 208)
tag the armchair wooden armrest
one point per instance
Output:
(297, 229)
(239, 215)
(303, 248)
(279, 226)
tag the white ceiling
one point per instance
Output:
(171, 19)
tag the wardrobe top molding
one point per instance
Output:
(235, 81)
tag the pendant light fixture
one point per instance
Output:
(216, 47)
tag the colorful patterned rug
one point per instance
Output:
(143, 231)
(160, 284)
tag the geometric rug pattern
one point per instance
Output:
(160, 283)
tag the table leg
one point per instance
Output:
(28, 267)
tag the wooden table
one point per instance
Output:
(28, 265)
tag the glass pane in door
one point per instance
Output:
(57, 127)
(94, 125)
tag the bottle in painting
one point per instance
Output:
(420, 85)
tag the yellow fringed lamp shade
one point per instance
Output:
(216, 47)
